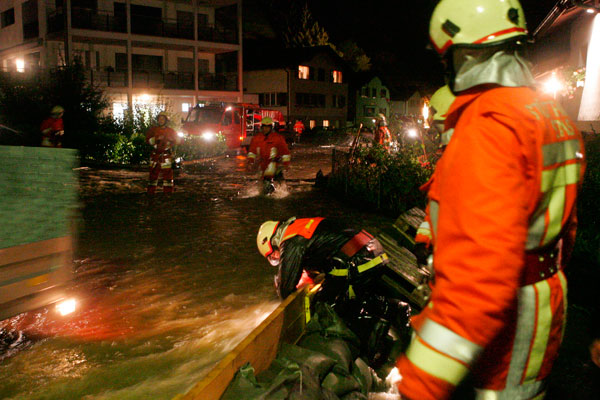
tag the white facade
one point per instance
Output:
(138, 51)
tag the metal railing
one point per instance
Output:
(84, 18)
(163, 80)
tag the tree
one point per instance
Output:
(302, 30)
(354, 56)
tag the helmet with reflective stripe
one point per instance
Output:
(441, 101)
(477, 23)
(57, 110)
(267, 121)
(263, 239)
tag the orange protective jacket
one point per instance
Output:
(270, 148)
(501, 201)
(163, 139)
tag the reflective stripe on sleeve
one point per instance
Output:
(251, 155)
(435, 363)
(339, 272)
(448, 342)
(556, 209)
(434, 210)
(560, 176)
(286, 158)
(559, 152)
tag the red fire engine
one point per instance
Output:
(237, 122)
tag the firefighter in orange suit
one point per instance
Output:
(298, 129)
(162, 138)
(383, 136)
(52, 128)
(502, 206)
(439, 104)
(270, 148)
(352, 261)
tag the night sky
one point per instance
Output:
(394, 33)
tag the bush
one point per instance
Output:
(195, 147)
(381, 180)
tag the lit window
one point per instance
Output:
(312, 124)
(118, 110)
(20, 64)
(185, 107)
(337, 76)
(303, 72)
(325, 123)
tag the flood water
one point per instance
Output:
(166, 286)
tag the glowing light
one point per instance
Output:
(208, 136)
(590, 98)
(180, 134)
(480, 9)
(553, 85)
(228, 109)
(412, 132)
(590, 11)
(20, 64)
(66, 307)
(145, 98)
(425, 113)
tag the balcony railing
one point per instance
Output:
(164, 80)
(83, 18)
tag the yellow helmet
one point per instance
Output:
(475, 23)
(267, 121)
(263, 239)
(57, 110)
(441, 101)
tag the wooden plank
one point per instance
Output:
(259, 348)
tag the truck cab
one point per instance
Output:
(237, 122)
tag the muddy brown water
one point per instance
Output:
(166, 286)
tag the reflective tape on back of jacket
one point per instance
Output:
(502, 208)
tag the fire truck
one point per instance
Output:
(237, 122)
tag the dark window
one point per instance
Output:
(141, 62)
(342, 101)
(29, 10)
(202, 66)
(282, 99)
(261, 99)
(7, 17)
(202, 19)
(120, 62)
(373, 92)
(185, 64)
(383, 93)
(321, 76)
(311, 73)
(89, 4)
(58, 3)
(146, 20)
(369, 111)
(365, 91)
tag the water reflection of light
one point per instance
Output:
(66, 307)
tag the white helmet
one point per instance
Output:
(476, 23)
(441, 101)
(263, 239)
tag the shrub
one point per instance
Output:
(381, 180)
(195, 147)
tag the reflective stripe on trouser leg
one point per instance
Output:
(541, 310)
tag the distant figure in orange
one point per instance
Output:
(298, 129)
(53, 129)
(163, 139)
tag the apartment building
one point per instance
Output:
(174, 52)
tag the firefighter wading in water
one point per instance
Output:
(162, 138)
(352, 261)
(502, 210)
(271, 149)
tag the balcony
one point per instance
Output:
(83, 18)
(163, 80)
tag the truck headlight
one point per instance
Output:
(208, 135)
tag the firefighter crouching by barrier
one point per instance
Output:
(352, 261)
(503, 219)
(162, 138)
